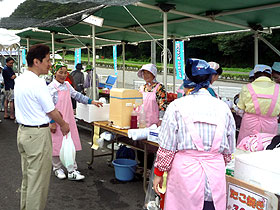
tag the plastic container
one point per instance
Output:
(260, 169)
(142, 118)
(124, 169)
(90, 113)
(133, 118)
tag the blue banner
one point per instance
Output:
(23, 56)
(115, 59)
(78, 56)
(179, 60)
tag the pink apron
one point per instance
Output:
(256, 142)
(258, 123)
(186, 179)
(150, 106)
(64, 106)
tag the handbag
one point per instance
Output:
(67, 153)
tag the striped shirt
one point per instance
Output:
(174, 136)
(73, 93)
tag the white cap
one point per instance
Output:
(214, 65)
(262, 68)
(148, 67)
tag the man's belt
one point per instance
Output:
(36, 126)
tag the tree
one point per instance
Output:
(47, 10)
(236, 47)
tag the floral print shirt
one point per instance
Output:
(161, 97)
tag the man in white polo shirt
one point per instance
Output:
(34, 110)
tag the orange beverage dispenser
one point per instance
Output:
(121, 106)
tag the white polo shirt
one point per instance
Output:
(32, 99)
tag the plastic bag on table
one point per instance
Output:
(67, 153)
(152, 200)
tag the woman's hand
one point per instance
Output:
(98, 104)
(157, 183)
(53, 127)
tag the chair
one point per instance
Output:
(109, 82)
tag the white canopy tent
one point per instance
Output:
(9, 42)
(8, 39)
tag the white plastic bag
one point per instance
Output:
(68, 152)
(152, 200)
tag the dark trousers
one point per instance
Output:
(208, 205)
(74, 103)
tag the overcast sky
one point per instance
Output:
(8, 6)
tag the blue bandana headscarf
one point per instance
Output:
(197, 67)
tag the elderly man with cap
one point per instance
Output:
(2, 98)
(197, 131)
(88, 81)
(276, 72)
(78, 79)
(154, 95)
(260, 103)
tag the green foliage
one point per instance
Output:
(230, 44)
(235, 76)
(238, 69)
(47, 10)
(203, 48)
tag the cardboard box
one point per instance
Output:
(121, 106)
(90, 113)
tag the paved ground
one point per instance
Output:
(99, 191)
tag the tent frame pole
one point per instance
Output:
(210, 19)
(88, 52)
(153, 52)
(174, 67)
(93, 63)
(269, 45)
(123, 57)
(165, 49)
(28, 43)
(256, 48)
(53, 59)
(63, 55)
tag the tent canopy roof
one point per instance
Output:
(185, 19)
(62, 41)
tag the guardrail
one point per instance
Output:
(222, 91)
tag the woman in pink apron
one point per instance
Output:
(154, 95)
(197, 130)
(256, 142)
(154, 103)
(61, 93)
(253, 123)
